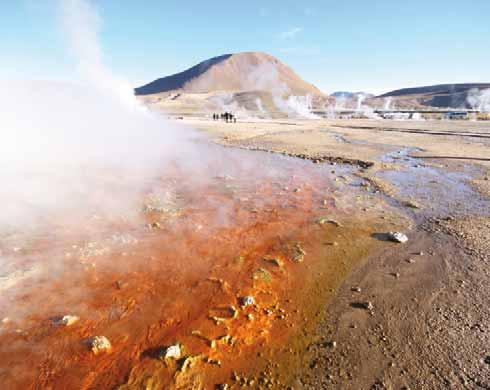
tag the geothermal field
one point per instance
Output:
(232, 226)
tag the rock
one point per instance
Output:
(67, 320)
(356, 289)
(397, 237)
(247, 300)
(325, 220)
(364, 305)
(154, 225)
(275, 261)
(99, 344)
(411, 204)
(120, 284)
(215, 362)
(487, 359)
(189, 362)
(171, 352)
(299, 255)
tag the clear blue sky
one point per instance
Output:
(374, 45)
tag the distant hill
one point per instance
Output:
(251, 83)
(234, 72)
(438, 96)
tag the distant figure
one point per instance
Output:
(234, 119)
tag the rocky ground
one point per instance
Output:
(417, 315)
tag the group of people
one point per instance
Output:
(228, 117)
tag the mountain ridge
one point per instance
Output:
(245, 71)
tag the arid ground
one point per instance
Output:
(270, 266)
(429, 323)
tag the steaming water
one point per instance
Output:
(149, 234)
(199, 244)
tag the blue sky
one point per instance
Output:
(372, 46)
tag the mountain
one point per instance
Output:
(250, 71)
(251, 84)
(438, 96)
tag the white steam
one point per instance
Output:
(260, 107)
(78, 148)
(479, 100)
(82, 24)
(266, 77)
(387, 103)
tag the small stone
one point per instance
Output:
(247, 300)
(155, 225)
(67, 320)
(120, 284)
(411, 204)
(325, 220)
(356, 289)
(100, 344)
(299, 255)
(171, 352)
(366, 305)
(275, 261)
(397, 237)
(487, 359)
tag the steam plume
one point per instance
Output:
(62, 144)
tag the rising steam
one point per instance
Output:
(83, 146)
(479, 99)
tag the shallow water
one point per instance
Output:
(246, 225)
(439, 190)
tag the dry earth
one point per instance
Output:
(428, 327)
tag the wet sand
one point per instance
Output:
(302, 236)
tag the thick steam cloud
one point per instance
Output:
(85, 146)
